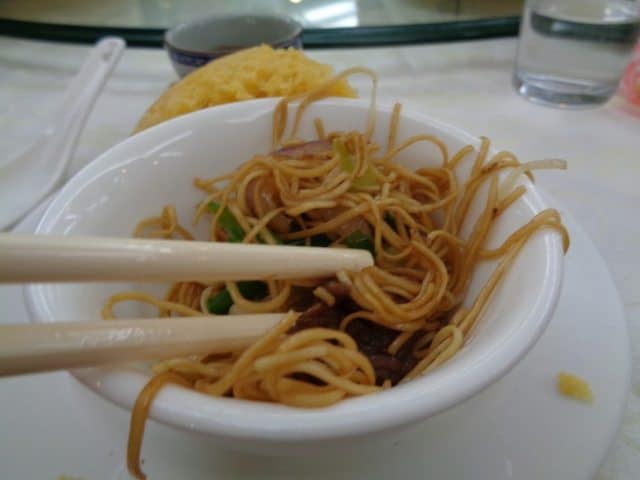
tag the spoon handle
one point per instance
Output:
(78, 101)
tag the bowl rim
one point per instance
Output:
(286, 38)
(385, 410)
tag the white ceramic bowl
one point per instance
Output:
(135, 178)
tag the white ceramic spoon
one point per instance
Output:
(29, 177)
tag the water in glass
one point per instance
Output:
(572, 53)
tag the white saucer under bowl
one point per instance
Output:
(519, 428)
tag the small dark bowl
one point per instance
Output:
(193, 44)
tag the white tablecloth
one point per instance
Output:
(467, 84)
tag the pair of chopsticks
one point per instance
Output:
(62, 345)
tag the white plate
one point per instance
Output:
(517, 428)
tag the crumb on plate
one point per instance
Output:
(574, 387)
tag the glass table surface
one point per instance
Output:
(326, 23)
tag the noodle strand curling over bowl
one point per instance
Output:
(468, 266)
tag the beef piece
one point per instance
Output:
(371, 338)
(318, 315)
(339, 290)
(357, 224)
(386, 367)
(302, 150)
(281, 223)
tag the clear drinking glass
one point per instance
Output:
(572, 53)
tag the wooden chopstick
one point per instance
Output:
(44, 347)
(44, 258)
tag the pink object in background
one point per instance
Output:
(630, 85)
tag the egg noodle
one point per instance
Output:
(386, 324)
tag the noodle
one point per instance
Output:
(139, 416)
(360, 332)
